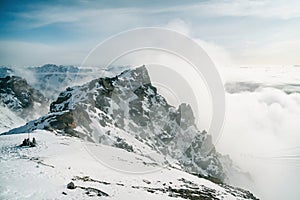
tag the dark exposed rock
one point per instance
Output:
(93, 192)
(71, 186)
(88, 179)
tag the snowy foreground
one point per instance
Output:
(43, 172)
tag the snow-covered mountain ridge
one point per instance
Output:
(126, 111)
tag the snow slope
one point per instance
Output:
(43, 172)
(9, 119)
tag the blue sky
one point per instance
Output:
(236, 32)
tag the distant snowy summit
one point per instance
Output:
(51, 79)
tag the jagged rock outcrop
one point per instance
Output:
(130, 102)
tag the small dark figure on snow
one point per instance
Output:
(33, 141)
(27, 143)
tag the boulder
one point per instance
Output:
(71, 186)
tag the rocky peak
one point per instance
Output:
(139, 75)
(104, 109)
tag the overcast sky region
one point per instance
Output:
(248, 32)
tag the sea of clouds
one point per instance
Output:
(261, 131)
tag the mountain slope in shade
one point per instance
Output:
(44, 172)
(21, 98)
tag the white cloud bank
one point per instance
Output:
(261, 134)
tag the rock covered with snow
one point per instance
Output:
(108, 109)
